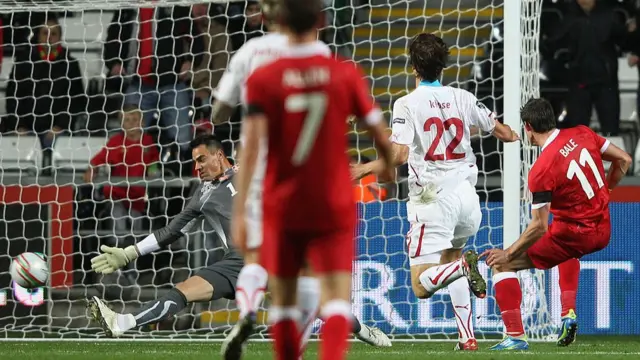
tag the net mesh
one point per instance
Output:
(47, 205)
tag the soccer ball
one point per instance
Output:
(29, 270)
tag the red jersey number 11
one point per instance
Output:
(575, 170)
(315, 104)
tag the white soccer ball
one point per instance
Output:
(29, 270)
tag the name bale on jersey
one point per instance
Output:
(312, 77)
(568, 148)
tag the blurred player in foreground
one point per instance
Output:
(431, 129)
(252, 280)
(212, 200)
(568, 181)
(298, 106)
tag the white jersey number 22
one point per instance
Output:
(315, 104)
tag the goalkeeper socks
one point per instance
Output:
(509, 298)
(250, 288)
(437, 277)
(461, 302)
(161, 309)
(284, 329)
(308, 302)
(569, 272)
(335, 331)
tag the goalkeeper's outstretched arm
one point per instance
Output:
(113, 258)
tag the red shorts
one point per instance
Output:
(285, 253)
(564, 241)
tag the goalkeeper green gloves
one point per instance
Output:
(113, 258)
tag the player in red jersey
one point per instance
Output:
(297, 108)
(567, 180)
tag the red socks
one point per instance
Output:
(509, 297)
(569, 275)
(285, 332)
(336, 329)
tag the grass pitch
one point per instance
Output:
(584, 348)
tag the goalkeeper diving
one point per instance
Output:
(213, 201)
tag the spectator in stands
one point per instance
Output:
(130, 153)
(249, 26)
(594, 37)
(152, 48)
(45, 87)
(217, 48)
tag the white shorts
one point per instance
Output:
(446, 223)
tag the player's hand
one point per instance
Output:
(113, 258)
(358, 171)
(514, 137)
(632, 60)
(496, 257)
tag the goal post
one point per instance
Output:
(44, 207)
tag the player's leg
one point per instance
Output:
(569, 272)
(211, 283)
(251, 285)
(544, 254)
(309, 304)
(250, 290)
(331, 257)
(283, 256)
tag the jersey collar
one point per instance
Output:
(430, 83)
(310, 49)
(550, 139)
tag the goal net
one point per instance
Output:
(50, 203)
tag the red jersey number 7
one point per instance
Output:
(315, 104)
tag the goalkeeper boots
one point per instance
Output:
(373, 336)
(470, 345)
(476, 282)
(568, 329)
(511, 343)
(107, 318)
(233, 345)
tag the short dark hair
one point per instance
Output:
(210, 141)
(429, 55)
(300, 16)
(538, 114)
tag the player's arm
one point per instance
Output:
(541, 185)
(534, 231)
(113, 258)
(484, 119)
(399, 155)
(227, 94)
(620, 162)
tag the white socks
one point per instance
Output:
(250, 288)
(125, 321)
(461, 302)
(437, 277)
(308, 303)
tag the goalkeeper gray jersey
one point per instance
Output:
(212, 200)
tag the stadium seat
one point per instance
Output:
(74, 153)
(20, 153)
(617, 141)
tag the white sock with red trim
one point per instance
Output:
(437, 277)
(250, 288)
(461, 302)
(309, 304)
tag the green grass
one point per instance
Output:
(585, 348)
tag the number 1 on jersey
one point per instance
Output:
(315, 104)
(575, 170)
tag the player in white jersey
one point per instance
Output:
(431, 130)
(252, 280)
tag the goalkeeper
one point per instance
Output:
(212, 200)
